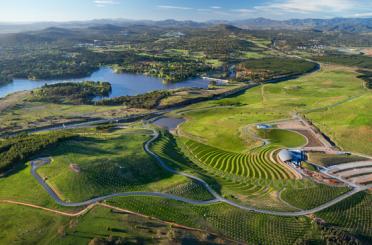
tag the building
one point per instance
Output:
(263, 126)
(292, 156)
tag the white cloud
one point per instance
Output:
(104, 3)
(173, 7)
(244, 11)
(309, 6)
(363, 14)
(215, 7)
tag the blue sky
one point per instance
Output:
(198, 10)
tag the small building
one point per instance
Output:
(263, 126)
(292, 156)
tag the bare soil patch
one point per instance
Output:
(75, 168)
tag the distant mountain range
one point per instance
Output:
(354, 25)
(336, 24)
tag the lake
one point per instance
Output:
(122, 83)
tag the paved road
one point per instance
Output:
(58, 200)
(217, 197)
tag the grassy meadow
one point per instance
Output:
(331, 89)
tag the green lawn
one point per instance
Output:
(283, 137)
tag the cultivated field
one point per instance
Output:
(102, 163)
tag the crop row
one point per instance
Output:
(353, 214)
(222, 219)
(255, 164)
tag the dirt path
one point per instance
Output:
(79, 213)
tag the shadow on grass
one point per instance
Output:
(176, 159)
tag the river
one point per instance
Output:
(122, 83)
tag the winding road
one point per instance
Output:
(217, 197)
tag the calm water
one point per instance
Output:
(122, 84)
(169, 123)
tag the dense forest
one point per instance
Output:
(20, 149)
(146, 101)
(75, 93)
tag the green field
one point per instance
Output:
(283, 137)
(213, 145)
(316, 95)
(19, 113)
(23, 187)
(214, 136)
(232, 188)
(28, 226)
(349, 124)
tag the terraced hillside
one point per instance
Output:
(247, 189)
(256, 164)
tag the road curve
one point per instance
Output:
(58, 200)
(217, 197)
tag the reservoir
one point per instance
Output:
(122, 83)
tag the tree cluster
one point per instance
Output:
(21, 148)
(146, 101)
(78, 93)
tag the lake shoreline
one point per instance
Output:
(123, 84)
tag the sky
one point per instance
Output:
(196, 10)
